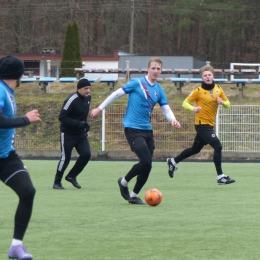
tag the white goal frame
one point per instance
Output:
(232, 66)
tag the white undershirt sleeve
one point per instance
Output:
(167, 112)
(112, 98)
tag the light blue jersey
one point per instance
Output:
(142, 97)
(8, 107)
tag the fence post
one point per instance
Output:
(48, 74)
(103, 129)
(240, 89)
(217, 122)
(127, 73)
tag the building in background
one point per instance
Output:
(36, 65)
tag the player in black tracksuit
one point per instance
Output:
(73, 133)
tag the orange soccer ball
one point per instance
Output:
(153, 197)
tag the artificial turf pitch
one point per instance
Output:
(197, 218)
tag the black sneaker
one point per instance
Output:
(58, 186)
(123, 190)
(73, 182)
(225, 180)
(135, 200)
(172, 168)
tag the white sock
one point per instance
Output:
(173, 162)
(220, 176)
(16, 242)
(133, 195)
(124, 182)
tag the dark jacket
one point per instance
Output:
(74, 113)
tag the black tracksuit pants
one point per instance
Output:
(67, 143)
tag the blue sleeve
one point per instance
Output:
(2, 98)
(163, 99)
(10, 122)
(130, 86)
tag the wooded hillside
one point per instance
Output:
(219, 31)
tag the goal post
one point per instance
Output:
(248, 65)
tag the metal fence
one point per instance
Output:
(237, 127)
(167, 138)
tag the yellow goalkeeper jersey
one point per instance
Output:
(207, 100)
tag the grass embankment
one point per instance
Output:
(31, 93)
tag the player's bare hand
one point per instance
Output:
(176, 124)
(33, 116)
(197, 109)
(95, 112)
(220, 100)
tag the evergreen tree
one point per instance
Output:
(71, 57)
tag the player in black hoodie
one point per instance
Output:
(73, 133)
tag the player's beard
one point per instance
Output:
(18, 82)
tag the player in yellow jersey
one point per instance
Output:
(207, 98)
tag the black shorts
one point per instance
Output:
(205, 134)
(139, 138)
(10, 166)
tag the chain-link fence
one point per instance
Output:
(238, 128)
(45, 135)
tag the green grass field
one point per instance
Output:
(197, 218)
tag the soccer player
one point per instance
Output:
(12, 171)
(207, 97)
(73, 133)
(143, 94)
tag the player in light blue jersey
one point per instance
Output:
(143, 94)
(12, 171)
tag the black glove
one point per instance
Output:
(87, 127)
(84, 125)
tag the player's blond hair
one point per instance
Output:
(155, 59)
(207, 68)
